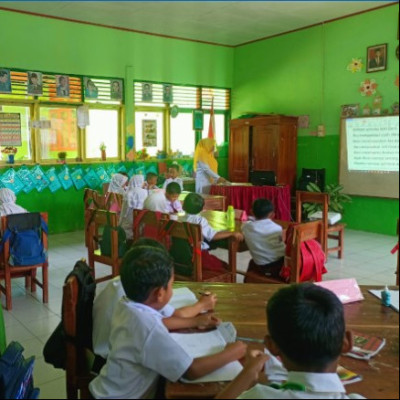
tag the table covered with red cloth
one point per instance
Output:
(242, 197)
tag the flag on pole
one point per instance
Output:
(211, 127)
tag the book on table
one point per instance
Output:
(365, 346)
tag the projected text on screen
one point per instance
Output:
(373, 144)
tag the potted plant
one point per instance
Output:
(10, 151)
(336, 198)
(62, 155)
(103, 151)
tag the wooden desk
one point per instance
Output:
(210, 202)
(217, 221)
(244, 305)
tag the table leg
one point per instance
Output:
(232, 253)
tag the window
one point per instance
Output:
(24, 152)
(219, 128)
(103, 128)
(182, 134)
(149, 131)
(61, 134)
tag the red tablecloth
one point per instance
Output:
(242, 197)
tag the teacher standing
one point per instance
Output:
(206, 166)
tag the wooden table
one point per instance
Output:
(210, 202)
(244, 305)
(217, 221)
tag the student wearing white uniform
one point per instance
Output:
(173, 172)
(307, 331)
(206, 166)
(134, 199)
(172, 193)
(264, 240)
(141, 348)
(185, 317)
(7, 203)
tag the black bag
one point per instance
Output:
(105, 241)
(54, 351)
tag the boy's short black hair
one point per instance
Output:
(174, 166)
(145, 241)
(150, 175)
(173, 188)
(143, 269)
(262, 208)
(307, 324)
(193, 203)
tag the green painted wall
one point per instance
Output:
(67, 47)
(305, 73)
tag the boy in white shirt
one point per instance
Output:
(185, 317)
(141, 346)
(173, 173)
(307, 331)
(172, 192)
(151, 182)
(264, 240)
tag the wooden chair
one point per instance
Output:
(7, 271)
(96, 219)
(335, 231)
(179, 235)
(79, 359)
(302, 232)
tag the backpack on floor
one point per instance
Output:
(24, 233)
(54, 351)
(16, 374)
(312, 259)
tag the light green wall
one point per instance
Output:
(305, 73)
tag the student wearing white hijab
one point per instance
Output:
(117, 184)
(156, 201)
(7, 203)
(133, 199)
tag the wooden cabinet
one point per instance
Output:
(267, 143)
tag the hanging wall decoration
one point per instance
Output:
(102, 174)
(62, 84)
(11, 181)
(27, 179)
(5, 80)
(168, 95)
(111, 171)
(91, 90)
(77, 178)
(368, 87)
(121, 168)
(40, 177)
(147, 92)
(65, 178)
(54, 184)
(355, 65)
(91, 178)
(35, 83)
(116, 89)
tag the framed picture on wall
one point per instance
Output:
(350, 110)
(377, 58)
(198, 120)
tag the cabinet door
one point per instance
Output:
(287, 158)
(239, 153)
(264, 147)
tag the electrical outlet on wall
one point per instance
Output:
(321, 131)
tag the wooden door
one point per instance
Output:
(264, 142)
(239, 151)
(287, 155)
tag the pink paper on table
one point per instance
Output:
(347, 290)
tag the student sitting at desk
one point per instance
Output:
(141, 348)
(8, 204)
(151, 182)
(172, 192)
(307, 331)
(193, 205)
(117, 185)
(264, 240)
(173, 173)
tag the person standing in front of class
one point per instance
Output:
(264, 240)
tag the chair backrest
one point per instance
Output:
(303, 197)
(79, 359)
(302, 232)
(93, 199)
(149, 224)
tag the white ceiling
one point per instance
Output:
(223, 22)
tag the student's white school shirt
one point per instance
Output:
(141, 350)
(206, 230)
(264, 240)
(179, 181)
(103, 308)
(318, 386)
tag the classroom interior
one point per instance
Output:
(303, 71)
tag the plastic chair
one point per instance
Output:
(7, 271)
(335, 231)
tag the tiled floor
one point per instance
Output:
(367, 258)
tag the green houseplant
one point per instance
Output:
(336, 198)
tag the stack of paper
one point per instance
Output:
(333, 217)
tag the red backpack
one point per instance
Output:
(312, 259)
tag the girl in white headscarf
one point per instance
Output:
(7, 203)
(133, 199)
(156, 202)
(117, 185)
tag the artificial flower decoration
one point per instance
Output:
(396, 82)
(9, 150)
(368, 87)
(355, 65)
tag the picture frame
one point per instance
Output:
(198, 119)
(35, 83)
(168, 95)
(377, 58)
(350, 110)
